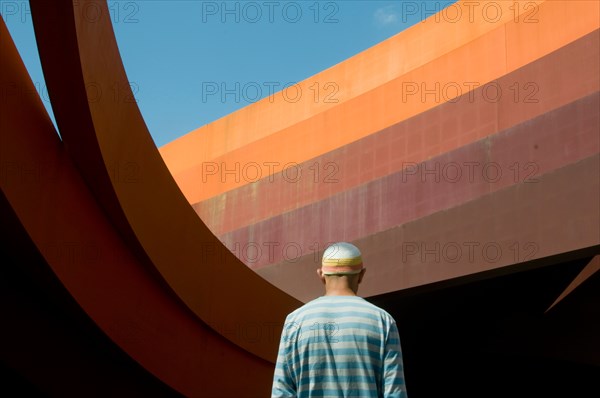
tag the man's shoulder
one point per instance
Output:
(306, 306)
(340, 302)
(379, 310)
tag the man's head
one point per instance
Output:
(341, 268)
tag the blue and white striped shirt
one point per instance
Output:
(339, 346)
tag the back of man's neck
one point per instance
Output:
(340, 292)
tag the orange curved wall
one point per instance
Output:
(498, 47)
(529, 88)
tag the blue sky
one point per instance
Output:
(180, 56)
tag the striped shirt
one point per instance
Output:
(339, 346)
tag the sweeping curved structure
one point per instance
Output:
(112, 200)
(115, 280)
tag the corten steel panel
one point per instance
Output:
(387, 151)
(517, 155)
(381, 107)
(412, 48)
(124, 298)
(522, 222)
(109, 142)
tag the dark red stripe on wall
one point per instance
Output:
(517, 224)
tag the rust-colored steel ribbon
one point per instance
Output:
(109, 142)
(81, 246)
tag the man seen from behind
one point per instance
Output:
(339, 345)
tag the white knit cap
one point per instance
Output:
(341, 258)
